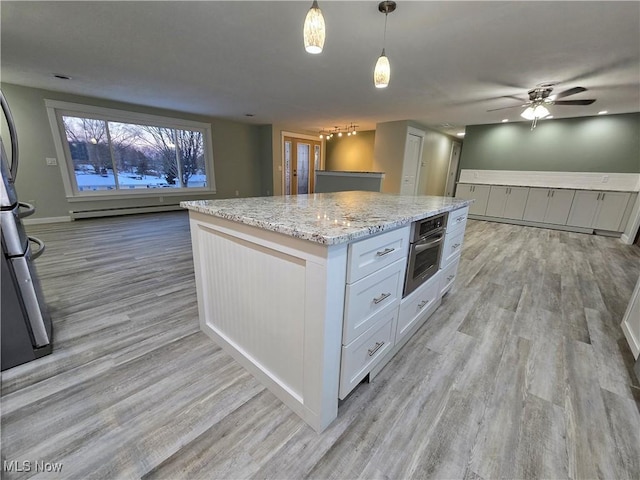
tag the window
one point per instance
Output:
(111, 152)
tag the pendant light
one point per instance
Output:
(314, 30)
(382, 72)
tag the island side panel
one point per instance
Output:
(266, 299)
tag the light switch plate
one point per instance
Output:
(51, 161)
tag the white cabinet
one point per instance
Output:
(375, 277)
(457, 219)
(548, 205)
(452, 247)
(479, 193)
(366, 299)
(418, 306)
(374, 253)
(599, 210)
(363, 353)
(448, 276)
(451, 251)
(507, 202)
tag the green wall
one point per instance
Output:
(605, 143)
(241, 155)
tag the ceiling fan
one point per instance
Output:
(540, 98)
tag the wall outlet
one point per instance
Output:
(475, 174)
(268, 193)
(605, 178)
(237, 193)
(51, 161)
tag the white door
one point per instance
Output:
(453, 169)
(411, 164)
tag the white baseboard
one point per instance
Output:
(37, 221)
(634, 343)
(110, 212)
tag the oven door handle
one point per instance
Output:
(425, 244)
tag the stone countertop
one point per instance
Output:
(557, 186)
(328, 218)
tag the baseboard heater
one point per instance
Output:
(109, 212)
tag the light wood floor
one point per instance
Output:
(523, 372)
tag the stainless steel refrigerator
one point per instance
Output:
(26, 330)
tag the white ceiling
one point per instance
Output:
(451, 61)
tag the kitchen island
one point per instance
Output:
(306, 291)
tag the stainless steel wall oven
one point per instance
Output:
(425, 251)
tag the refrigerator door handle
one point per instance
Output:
(14, 137)
(41, 247)
(29, 209)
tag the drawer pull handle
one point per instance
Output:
(373, 350)
(422, 304)
(381, 298)
(459, 219)
(455, 245)
(450, 277)
(386, 251)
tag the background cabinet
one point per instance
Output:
(546, 205)
(507, 202)
(599, 210)
(479, 193)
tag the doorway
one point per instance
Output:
(301, 158)
(453, 169)
(412, 161)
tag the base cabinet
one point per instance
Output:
(507, 202)
(548, 205)
(363, 353)
(599, 210)
(418, 306)
(479, 193)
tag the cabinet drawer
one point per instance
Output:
(419, 305)
(448, 276)
(452, 247)
(371, 254)
(362, 354)
(366, 298)
(457, 220)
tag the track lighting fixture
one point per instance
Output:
(339, 131)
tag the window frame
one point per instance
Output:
(57, 109)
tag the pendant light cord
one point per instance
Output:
(384, 38)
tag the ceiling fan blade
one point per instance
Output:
(504, 108)
(571, 91)
(575, 102)
(618, 64)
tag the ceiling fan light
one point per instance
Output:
(314, 30)
(528, 113)
(382, 72)
(540, 111)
